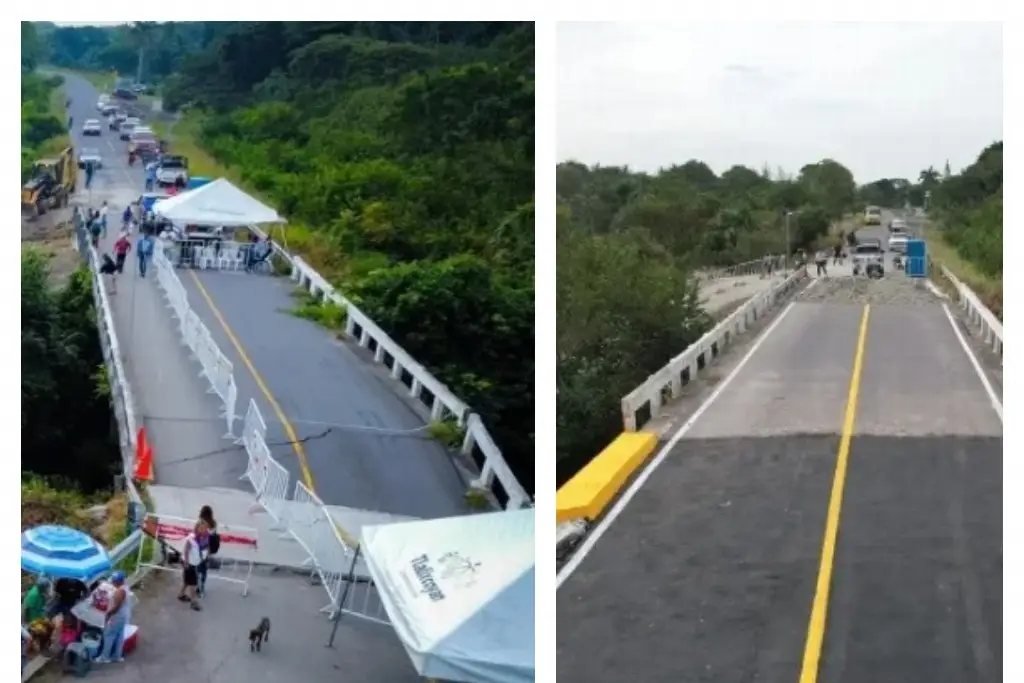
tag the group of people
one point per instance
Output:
(112, 264)
(48, 610)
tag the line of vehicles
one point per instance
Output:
(869, 255)
(52, 180)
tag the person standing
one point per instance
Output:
(191, 557)
(103, 219)
(150, 176)
(121, 248)
(116, 622)
(210, 544)
(144, 250)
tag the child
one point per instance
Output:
(70, 630)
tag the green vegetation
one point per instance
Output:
(42, 132)
(402, 155)
(99, 51)
(65, 413)
(628, 246)
(968, 209)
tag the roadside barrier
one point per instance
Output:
(196, 336)
(978, 314)
(120, 392)
(667, 384)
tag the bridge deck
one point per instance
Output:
(709, 572)
(364, 462)
(365, 447)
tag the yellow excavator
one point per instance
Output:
(50, 185)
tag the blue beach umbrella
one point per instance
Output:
(63, 553)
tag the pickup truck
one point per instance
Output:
(172, 170)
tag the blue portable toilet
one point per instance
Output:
(196, 182)
(917, 258)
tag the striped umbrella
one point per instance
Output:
(62, 552)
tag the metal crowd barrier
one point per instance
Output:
(195, 335)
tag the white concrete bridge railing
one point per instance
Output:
(978, 315)
(667, 384)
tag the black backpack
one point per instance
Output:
(214, 545)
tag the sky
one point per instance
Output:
(885, 100)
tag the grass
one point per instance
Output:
(988, 289)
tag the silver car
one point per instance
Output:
(90, 155)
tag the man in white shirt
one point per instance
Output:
(191, 557)
(103, 219)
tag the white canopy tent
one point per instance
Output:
(460, 593)
(219, 203)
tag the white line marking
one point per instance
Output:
(591, 540)
(997, 404)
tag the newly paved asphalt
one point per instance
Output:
(709, 573)
(376, 454)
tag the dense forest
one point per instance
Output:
(629, 244)
(402, 154)
(164, 46)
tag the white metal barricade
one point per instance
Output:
(230, 405)
(236, 556)
(329, 556)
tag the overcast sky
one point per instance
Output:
(886, 100)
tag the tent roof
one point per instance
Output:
(219, 203)
(460, 593)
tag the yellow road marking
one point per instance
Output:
(819, 608)
(289, 430)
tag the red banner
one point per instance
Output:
(178, 532)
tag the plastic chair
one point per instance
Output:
(208, 257)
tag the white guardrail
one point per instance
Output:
(443, 404)
(977, 313)
(120, 391)
(667, 384)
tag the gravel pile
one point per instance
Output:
(893, 290)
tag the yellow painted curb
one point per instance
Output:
(586, 495)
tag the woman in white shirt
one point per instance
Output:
(191, 558)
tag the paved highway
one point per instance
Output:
(832, 514)
(375, 455)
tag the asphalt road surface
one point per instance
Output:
(709, 573)
(363, 445)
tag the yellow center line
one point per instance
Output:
(289, 430)
(819, 608)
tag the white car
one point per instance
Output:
(104, 101)
(898, 225)
(172, 170)
(898, 242)
(90, 155)
(92, 127)
(127, 127)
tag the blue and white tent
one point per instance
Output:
(460, 593)
(61, 552)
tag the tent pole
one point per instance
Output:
(344, 594)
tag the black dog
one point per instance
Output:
(259, 634)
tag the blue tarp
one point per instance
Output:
(196, 182)
(460, 593)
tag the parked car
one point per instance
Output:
(92, 127)
(90, 155)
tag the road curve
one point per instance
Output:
(709, 573)
(375, 454)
